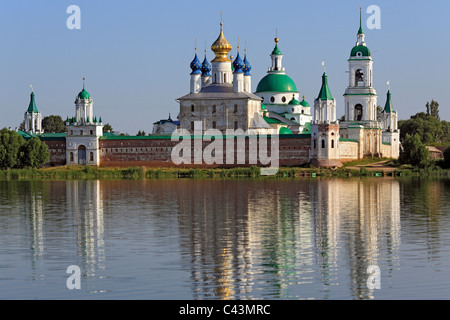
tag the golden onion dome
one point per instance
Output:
(221, 47)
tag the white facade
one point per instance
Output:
(324, 126)
(223, 99)
(360, 97)
(84, 111)
(33, 118)
(82, 145)
(83, 133)
(33, 122)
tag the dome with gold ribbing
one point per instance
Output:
(221, 47)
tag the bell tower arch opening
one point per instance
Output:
(358, 112)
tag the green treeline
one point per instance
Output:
(16, 152)
(421, 130)
(88, 172)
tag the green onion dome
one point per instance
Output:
(274, 82)
(284, 130)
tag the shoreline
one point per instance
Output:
(140, 173)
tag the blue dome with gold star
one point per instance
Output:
(238, 64)
(206, 68)
(247, 67)
(196, 65)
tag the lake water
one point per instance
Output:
(233, 239)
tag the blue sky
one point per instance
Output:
(135, 54)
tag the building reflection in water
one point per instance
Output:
(33, 207)
(238, 239)
(85, 201)
(247, 240)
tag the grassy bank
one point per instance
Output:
(87, 172)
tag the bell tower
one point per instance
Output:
(360, 96)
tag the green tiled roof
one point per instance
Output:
(43, 136)
(271, 120)
(294, 101)
(304, 103)
(388, 108)
(307, 127)
(276, 51)
(325, 93)
(365, 52)
(168, 137)
(347, 140)
(32, 106)
(84, 94)
(360, 31)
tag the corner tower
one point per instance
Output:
(33, 118)
(325, 129)
(391, 133)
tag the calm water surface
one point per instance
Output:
(247, 239)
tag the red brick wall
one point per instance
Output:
(57, 150)
(293, 151)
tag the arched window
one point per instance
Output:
(332, 143)
(358, 112)
(192, 108)
(214, 109)
(323, 143)
(91, 157)
(359, 77)
(214, 124)
(71, 157)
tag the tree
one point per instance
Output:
(413, 151)
(10, 143)
(22, 125)
(141, 133)
(53, 124)
(379, 111)
(433, 109)
(107, 128)
(15, 152)
(429, 128)
(34, 153)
